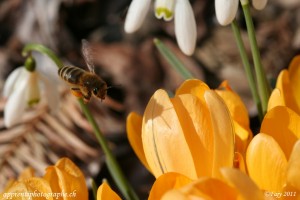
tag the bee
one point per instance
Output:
(84, 83)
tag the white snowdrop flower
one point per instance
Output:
(23, 89)
(259, 4)
(226, 10)
(180, 10)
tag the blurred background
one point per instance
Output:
(129, 61)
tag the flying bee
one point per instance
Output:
(83, 83)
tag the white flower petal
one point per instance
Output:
(15, 106)
(11, 81)
(136, 14)
(226, 10)
(185, 27)
(51, 93)
(259, 4)
(164, 9)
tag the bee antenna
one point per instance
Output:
(113, 86)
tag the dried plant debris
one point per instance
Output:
(42, 138)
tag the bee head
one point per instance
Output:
(100, 92)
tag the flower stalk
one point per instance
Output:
(263, 85)
(247, 67)
(111, 162)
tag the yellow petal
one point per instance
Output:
(293, 169)
(198, 131)
(247, 189)
(167, 182)
(294, 74)
(239, 162)
(266, 163)
(242, 137)
(276, 99)
(27, 173)
(169, 148)
(234, 104)
(285, 86)
(283, 124)
(223, 155)
(206, 188)
(194, 87)
(104, 192)
(37, 188)
(65, 176)
(134, 134)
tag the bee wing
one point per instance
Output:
(86, 51)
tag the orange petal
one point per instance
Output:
(266, 163)
(293, 170)
(167, 147)
(206, 188)
(234, 104)
(167, 182)
(65, 176)
(223, 155)
(285, 86)
(247, 189)
(104, 192)
(194, 87)
(134, 134)
(38, 188)
(276, 99)
(294, 74)
(283, 124)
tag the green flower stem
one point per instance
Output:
(111, 162)
(263, 85)
(247, 67)
(94, 188)
(42, 49)
(172, 59)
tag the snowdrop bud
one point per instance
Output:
(226, 10)
(136, 14)
(164, 9)
(259, 4)
(185, 26)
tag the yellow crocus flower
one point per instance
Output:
(271, 169)
(191, 133)
(64, 181)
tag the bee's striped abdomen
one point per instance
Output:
(70, 74)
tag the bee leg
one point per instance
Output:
(86, 98)
(76, 92)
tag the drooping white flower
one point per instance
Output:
(22, 89)
(259, 4)
(226, 10)
(181, 10)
